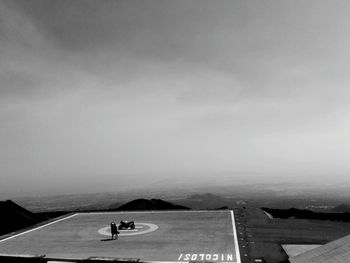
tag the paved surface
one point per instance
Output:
(159, 236)
(337, 251)
(295, 250)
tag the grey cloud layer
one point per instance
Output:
(156, 88)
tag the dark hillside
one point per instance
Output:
(207, 201)
(52, 214)
(307, 214)
(14, 217)
(343, 208)
(153, 204)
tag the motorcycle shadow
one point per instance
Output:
(108, 239)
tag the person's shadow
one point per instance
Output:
(107, 239)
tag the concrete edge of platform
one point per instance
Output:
(43, 259)
(24, 258)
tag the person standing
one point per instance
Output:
(114, 231)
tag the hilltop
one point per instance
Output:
(144, 204)
(14, 217)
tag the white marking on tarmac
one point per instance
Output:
(31, 230)
(155, 212)
(238, 256)
(182, 262)
(268, 215)
(133, 232)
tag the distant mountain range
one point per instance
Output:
(207, 201)
(211, 196)
(144, 204)
(307, 214)
(341, 208)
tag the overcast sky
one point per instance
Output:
(101, 95)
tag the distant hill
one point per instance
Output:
(307, 214)
(14, 217)
(207, 201)
(343, 208)
(153, 204)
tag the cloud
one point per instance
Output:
(160, 88)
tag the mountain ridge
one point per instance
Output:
(148, 204)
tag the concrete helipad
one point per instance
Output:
(168, 236)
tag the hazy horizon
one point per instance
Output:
(111, 95)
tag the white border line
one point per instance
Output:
(124, 233)
(154, 212)
(31, 230)
(238, 256)
(187, 261)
